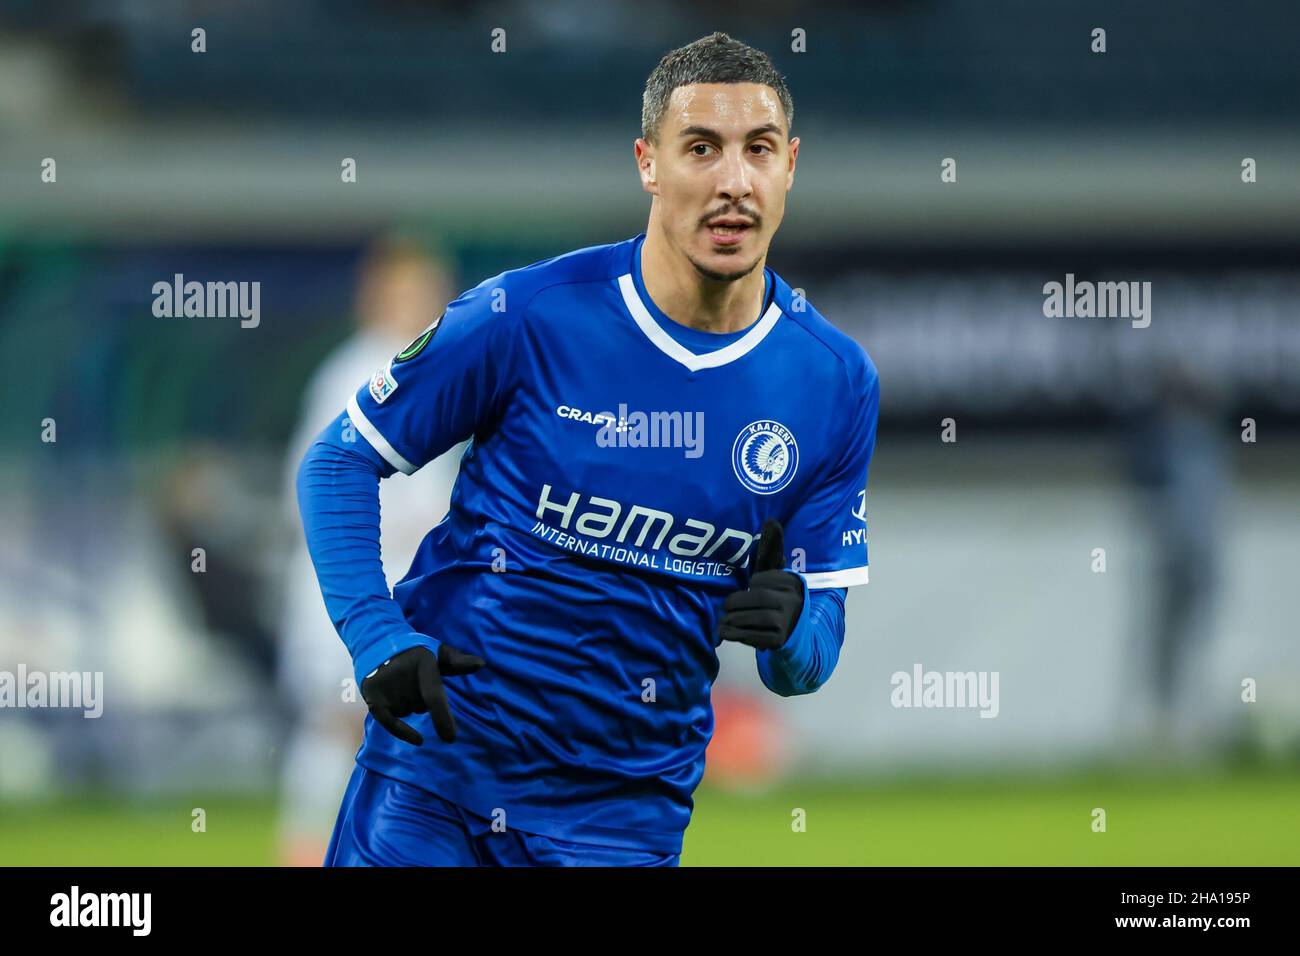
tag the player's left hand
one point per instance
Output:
(411, 683)
(764, 615)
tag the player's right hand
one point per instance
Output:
(765, 614)
(411, 683)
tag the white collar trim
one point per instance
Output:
(675, 350)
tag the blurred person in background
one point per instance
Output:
(1180, 463)
(402, 288)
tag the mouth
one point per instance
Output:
(726, 231)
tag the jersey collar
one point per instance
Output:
(640, 308)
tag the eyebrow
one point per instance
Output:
(714, 134)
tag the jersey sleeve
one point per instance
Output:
(828, 532)
(807, 659)
(446, 386)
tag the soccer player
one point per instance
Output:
(668, 448)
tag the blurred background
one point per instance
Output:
(1157, 679)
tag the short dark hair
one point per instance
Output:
(716, 58)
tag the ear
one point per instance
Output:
(645, 163)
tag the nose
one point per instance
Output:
(734, 182)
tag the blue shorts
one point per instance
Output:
(385, 822)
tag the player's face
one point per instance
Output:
(721, 171)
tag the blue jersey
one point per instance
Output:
(619, 468)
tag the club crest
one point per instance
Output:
(765, 456)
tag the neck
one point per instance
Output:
(692, 299)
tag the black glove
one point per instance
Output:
(764, 615)
(411, 683)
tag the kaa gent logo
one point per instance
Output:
(765, 457)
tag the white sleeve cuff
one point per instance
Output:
(846, 578)
(377, 441)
